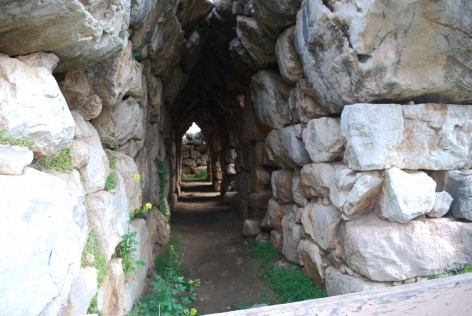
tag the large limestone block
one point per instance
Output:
(338, 283)
(460, 187)
(79, 33)
(139, 11)
(275, 213)
(286, 147)
(127, 167)
(381, 50)
(259, 179)
(89, 154)
(298, 197)
(134, 285)
(287, 57)
(406, 196)
(442, 204)
(121, 123)
(314, 264)
(270, 94)
(421, 136)
(275, 15)
(251, 228)
(263, 155)
(322, 224)
(355, 192)
(316, 179)
(42, 243)
(387, 251)
(13, 159)
(31, 104)
(191, 13)
(282, 186)
(82, 291)
(292, 234)
(261, 48)
(117, 77)
(322, 139)
(303, 106)
(259, 199)
(111, 295)
(108, 215)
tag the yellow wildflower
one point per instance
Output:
(193, 312)
(136, 177)
(148, 206)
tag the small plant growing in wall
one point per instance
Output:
(92, 255)
(61, 162)
(15, 141)
(125, 251)
(111, 183)
(163, 174)
(141, 212)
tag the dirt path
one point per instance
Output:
(216, 252)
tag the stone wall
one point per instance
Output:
(194, 153)
(340, 130)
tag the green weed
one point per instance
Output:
(125, 251)
(199, 175)
(62, 162)
(264, 251)
(110, 183)
(292, 284)
(100, 261)
(93, 307)
(15, 141)
(163, 175)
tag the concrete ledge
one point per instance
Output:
(444, 296)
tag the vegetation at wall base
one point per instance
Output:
(467, 269)
(62, 162)
(291, 284)
(15, 141)
(199, 175)
(125, 251)
(169, 294)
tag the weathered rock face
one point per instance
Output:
(282, 186)
(13, 159)
(422, 136)
(322, 224)
(82, 291)
(31, 104)
(312, 261)
(111, 294)
(316, 179)
(287, 57)
(277, 15)
(363, 53)
(459, 186)
(47, 256)
(292, 234)
(286, 147)
(404, 249)
(322, 139)
(78, 33)
(338, 283)
(406, 196)
(270, 94)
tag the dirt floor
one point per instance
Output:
(216, 252)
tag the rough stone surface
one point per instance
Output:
(338, 283)
(94, 162)
(276, 240)
(82, 291)
(108, 215)
(260, 47)
(121, 123)
(80, 34)
(442, 203)
(317, 179)
(282, 186)
(251, 228)
(298, 197)
(286, 147)
(47, 256)
(275, 213)
(302, 104)
(322, 139)
(13, 159)
(31, 104)
(259, 199)
(418, 248)
(354, 193)
(110, 296)
(322, 224)
(460, 188)
(275, 16)
(127, 167)
(314, 264)
(406, 196)
(292, 233)
(363, 52)
(134, 285)
(422, 136)
(270, 94)
(260, 179)
(287, 57)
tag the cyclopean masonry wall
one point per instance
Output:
(194, 153)
(341, 131)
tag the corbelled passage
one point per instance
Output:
(341, 129)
